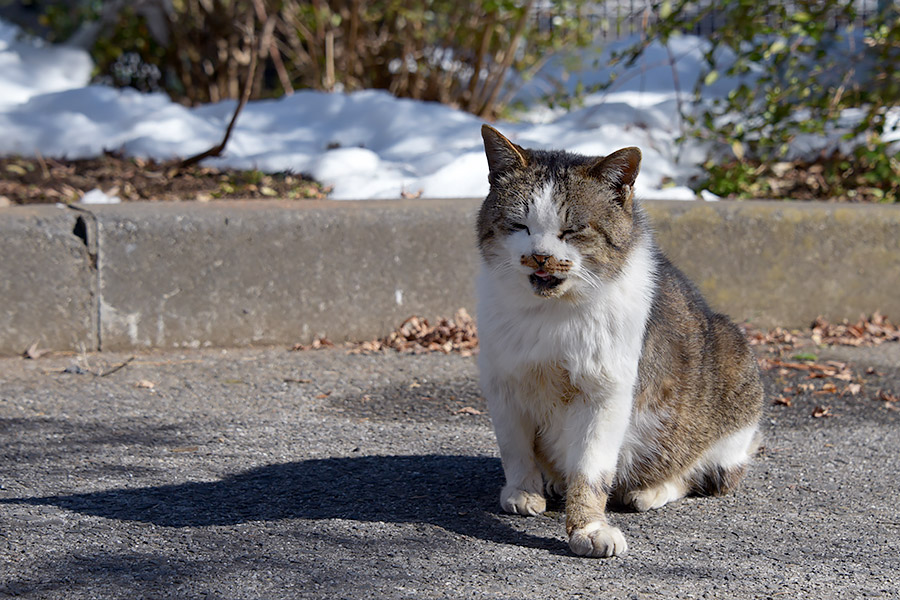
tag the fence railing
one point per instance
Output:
(614, 19)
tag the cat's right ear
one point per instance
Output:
(502, 154)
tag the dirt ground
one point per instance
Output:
(42, 180)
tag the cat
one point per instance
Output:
(605, 372)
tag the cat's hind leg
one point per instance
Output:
(718, 472)
(657, 496)
(723, 466)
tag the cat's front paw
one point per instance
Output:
(518, 501)
(598, 540)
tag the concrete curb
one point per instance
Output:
(169, 275)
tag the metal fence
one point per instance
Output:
(614, 19)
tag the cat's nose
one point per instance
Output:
(540, 258)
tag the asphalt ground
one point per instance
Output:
(264, 473)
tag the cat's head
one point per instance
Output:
(561, 224)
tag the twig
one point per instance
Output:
(678, 97)
(488, 106)
(40, 158)
(328, 84)
(270, 47)
(116, 368)
(245, 97)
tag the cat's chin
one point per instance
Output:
(546, 287)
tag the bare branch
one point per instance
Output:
(245, 97)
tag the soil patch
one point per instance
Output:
(45, 180)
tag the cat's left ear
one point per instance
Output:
(618, 171)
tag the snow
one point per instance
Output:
(98, 196)
(29, 67)
(365, 144)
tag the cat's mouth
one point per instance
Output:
(543, 282)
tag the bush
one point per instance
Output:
(457, 53)
(811, 67)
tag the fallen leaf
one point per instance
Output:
(782, 400)
(822, 411)
(145, 384)
(888, 396)
(33, 352)
(867, 331)
(468, 410)
(416, 335)
(828, 388)
(323, 396)
(411, 195)
(852, 389)
(317, 344)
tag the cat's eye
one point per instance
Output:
(520, 227)
(567, 232)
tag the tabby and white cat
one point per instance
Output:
(604, 370)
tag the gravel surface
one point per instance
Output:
(264, 473)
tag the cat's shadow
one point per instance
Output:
(457, 493)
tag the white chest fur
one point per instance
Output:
(597, 339)
(564, 370)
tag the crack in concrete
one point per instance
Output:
(86, 229)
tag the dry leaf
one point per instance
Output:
(145, 384)
(416, 336)
(870, 331)
(828, 388)
(852, 389)
(468, 410)
(33, 352)
(822, 411)
(888, 396)
(317, 344)
(782, 400)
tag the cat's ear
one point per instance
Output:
(502, 154)
(618, 171)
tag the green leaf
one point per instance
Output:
(665, 10)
